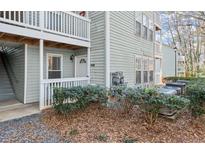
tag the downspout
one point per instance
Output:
(107, 49)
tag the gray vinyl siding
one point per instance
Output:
(125, 44)
(168, 61)
(33, 68)
(16, 61)
(97, 51)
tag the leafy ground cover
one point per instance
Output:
(97, 123)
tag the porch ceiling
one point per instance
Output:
(32, 41)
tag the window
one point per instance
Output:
(146, 69)
(157, 36)
(144, 34)
(54, 66)
(150, 35)
(151, 69)
(138, 28)
(138, 70)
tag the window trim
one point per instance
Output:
(143, 32)
(151, 40)
(142, 69)
(47, 65)
(137, 22)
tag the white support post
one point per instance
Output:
(88, 63)
(41, 101)
(107, 49)
(25, 72)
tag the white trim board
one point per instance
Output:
(25, 72)
(107, 49)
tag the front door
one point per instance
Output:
(157, 71)
(81, 66)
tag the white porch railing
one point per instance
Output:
(48, 86)
(57, 22)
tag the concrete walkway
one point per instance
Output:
(12, 109)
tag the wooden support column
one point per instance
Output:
(41, 101)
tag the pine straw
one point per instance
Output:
(96, 120)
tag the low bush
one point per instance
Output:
(174, 78)
(176, 102)
(70, 99)
(195, 91)
(149, 101)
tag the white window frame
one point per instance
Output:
(47, 65)
(151, 59)
(141, 69)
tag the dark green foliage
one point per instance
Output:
(102, 137)
(73, 132)
(70, 99)
(149, 101)
(173, 78)
(195, 91)
(176, 102)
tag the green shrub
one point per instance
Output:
(70, 99)
(195, 91)
(174, 78)
(176, 102)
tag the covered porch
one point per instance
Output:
(43, 65)
(60, 69)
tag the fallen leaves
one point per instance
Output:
(96, 120)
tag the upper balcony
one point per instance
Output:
(60, 26)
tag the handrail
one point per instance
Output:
(65, 80)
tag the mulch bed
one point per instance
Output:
(100, 124)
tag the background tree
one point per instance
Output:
(185, 30)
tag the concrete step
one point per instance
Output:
(18, 111)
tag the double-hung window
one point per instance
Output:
(151, 69)
(145, 70)
(145, 26)
(138, 70)
(138, 28)
(150, 31)
(54, 66)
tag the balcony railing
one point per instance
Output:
(49, 85)
(57, 22)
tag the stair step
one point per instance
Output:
(7, 96)
(6, 90)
